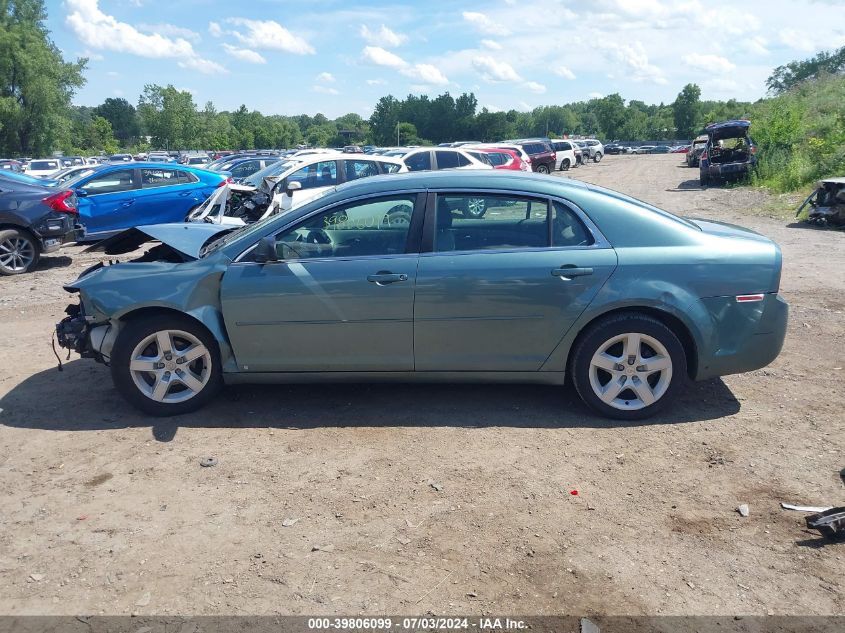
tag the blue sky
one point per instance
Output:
(336, 56)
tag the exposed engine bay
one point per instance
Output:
(826, 204)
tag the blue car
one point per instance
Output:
(119, 197)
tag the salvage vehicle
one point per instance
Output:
(567, 278)
(34, 219)
(283, 185)
(43, 168)
(730, 152)
(826, 204)
(117, 196)
(694, 153)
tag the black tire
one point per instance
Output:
(542, 168)
(565, 164)
(400, 215)
(132, 334)
(19, 252)
(597, 158)
(703, 180)
(602, 331)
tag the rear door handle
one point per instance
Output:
(568, 272)
(383, 278)
(129, 203)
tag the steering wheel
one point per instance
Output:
(318, 236)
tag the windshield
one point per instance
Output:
(270, 171)
(255, 228)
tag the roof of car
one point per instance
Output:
(742, 123)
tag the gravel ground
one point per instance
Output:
(323, 499)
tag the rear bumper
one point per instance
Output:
(744, 336)
(55, 230)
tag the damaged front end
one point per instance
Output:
(234, 204)
(826, 205)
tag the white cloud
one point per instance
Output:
(491, 44)
(215, 29)
(92, 56)
(797, 41)
(381, 57)
(326, 90)
(101, 31)
(325, 77)
(634, 58)
(595, 95)
(484, 24)
(244, 54)
(171, 30)
(376, 82)
(383, 36)
(715, 64)
(270, 35)
(535, 87)
(426, 72)
(204, 66)
(563, 71)
(756, 45)
(492, 70)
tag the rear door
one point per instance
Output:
(498, 292)
(166, 195)
(341, 297)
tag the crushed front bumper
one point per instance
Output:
(77, 333)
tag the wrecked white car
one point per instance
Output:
(284, 185)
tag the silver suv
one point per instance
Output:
(595, 148)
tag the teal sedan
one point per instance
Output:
(390, 279)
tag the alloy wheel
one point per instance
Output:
(170, 366)
(630, 371)
(16, 253)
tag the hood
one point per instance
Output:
(185, 238)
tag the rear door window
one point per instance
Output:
(356, 169)
(447, 160)
(389, 168)
(322, 174)
(419, 162)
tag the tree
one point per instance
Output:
(122, 117)
(687, 111)
(36, 84)
(170, 117)
(99, 137)
(786, 77)
(383, 120)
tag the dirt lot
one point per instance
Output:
(105, 511)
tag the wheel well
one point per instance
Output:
(22, 229)
(150, 311)
(677, 326)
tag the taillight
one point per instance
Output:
(227, 181)
(704, 155)
(63, 202)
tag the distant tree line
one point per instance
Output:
(37, 86)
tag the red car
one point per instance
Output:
(505, 159)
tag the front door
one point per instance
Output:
(499, 290)
(109, 202)
(340, 298)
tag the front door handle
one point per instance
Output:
(568, 272)
(382, 278)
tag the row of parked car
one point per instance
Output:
(91, 202)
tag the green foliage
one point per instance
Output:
(788, 76)
(36, 84)
(686, 110)
(801, 135)
(121, 116)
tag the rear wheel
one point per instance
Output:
(565, 164)
(597, 158)
(703, 179)
(628, 366)
(166, 365)
(19, 252)
(542, 169)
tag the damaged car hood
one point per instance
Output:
(185, 238)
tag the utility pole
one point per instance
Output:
(397, 134)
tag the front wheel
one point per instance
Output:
(597, 157)
(19, 252)
(628, 366)
(543, 169)
(166, 365)
(474, 208)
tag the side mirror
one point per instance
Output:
(81, 193)
(265, 252)
(293, 186)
